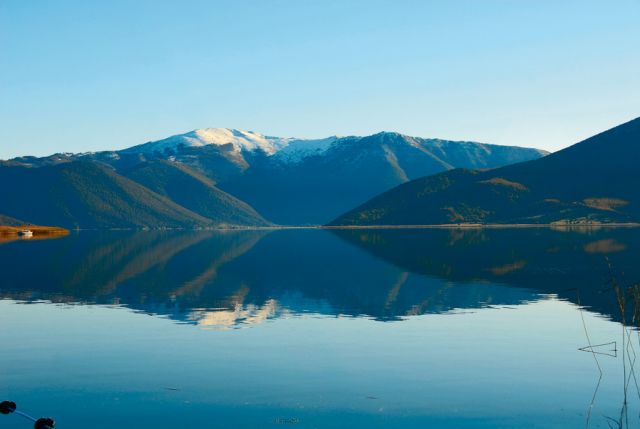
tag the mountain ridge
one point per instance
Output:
(219, 177)
(592, 181)
(240, 139)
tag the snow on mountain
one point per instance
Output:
(288, 149)
(240, 140)
(297, 149)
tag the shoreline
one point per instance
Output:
(11, 233)
(489, 226)
(51, 231)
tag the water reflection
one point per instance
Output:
(576, 264)
(327, 361)
(232, 278)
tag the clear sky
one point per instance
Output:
(86, 75)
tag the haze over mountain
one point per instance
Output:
(595, 180)
(224, 177)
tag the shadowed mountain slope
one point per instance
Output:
(354, 169)
(221, 177)
(194, 191)
(596, 180)
(88, 195)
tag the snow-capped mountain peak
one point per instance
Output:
(240, 140)
(289, 149)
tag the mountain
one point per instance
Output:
(218, 176)
(194, 191)
(86, 194)
(595, 180)
(317, 187)
(236, 141)
(9, 221)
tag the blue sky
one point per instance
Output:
(81, 75)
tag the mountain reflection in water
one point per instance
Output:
(234, 278)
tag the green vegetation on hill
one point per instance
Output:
(88, 195)
(354, 169)
(221, 185)
(594, 181)
(194, 191)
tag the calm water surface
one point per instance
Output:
(323, 329)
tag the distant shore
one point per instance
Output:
(42, 232)
(10, 233)
(488, 225)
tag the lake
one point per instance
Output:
(460, 328)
